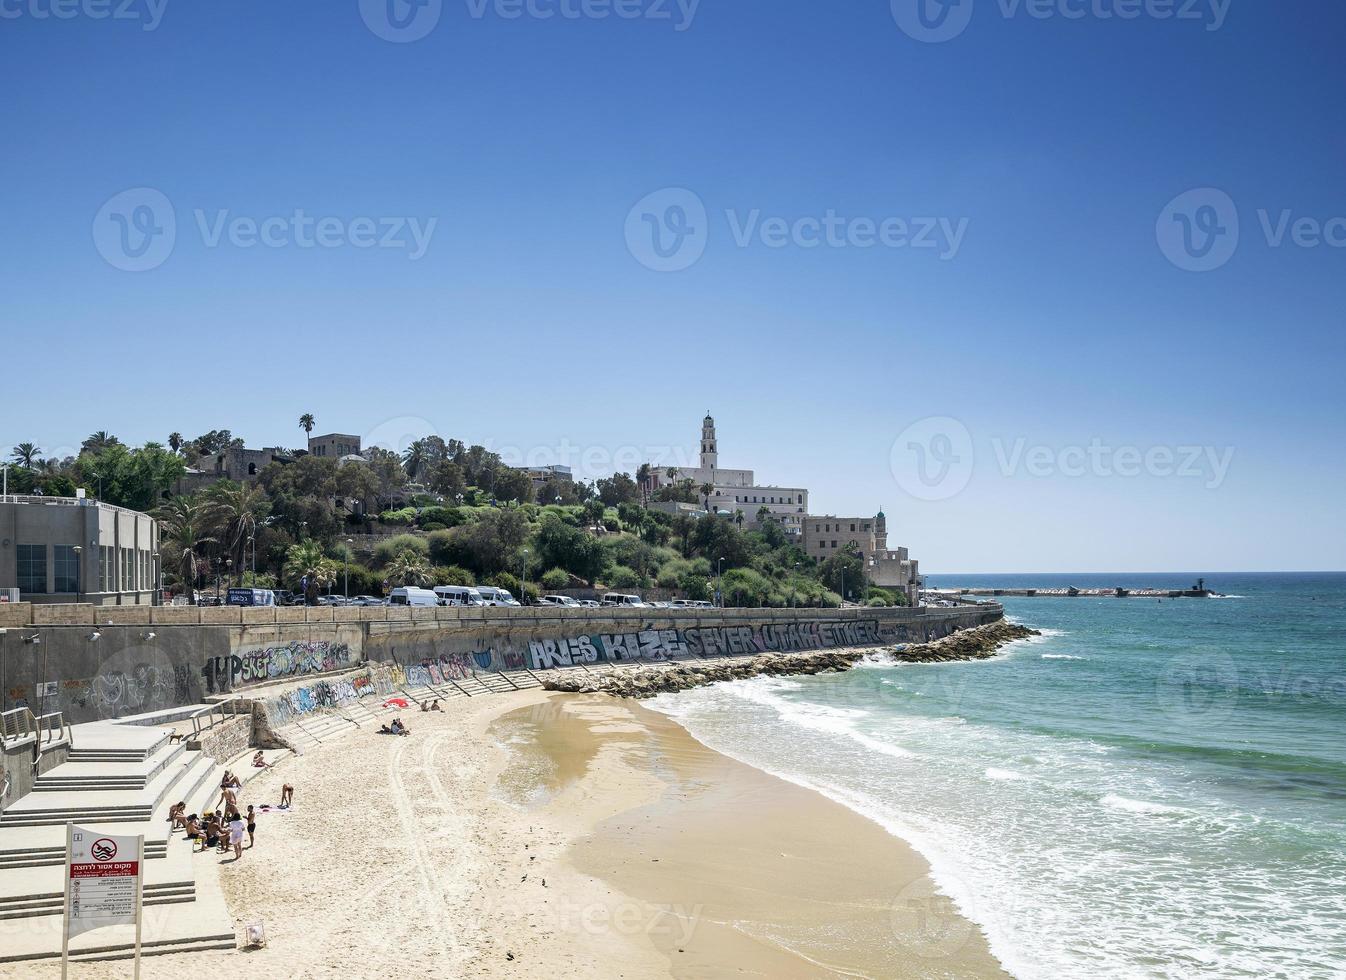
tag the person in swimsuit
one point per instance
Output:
(287, 795)
(212, 840)
(228, 801)
(252, 827)
(193, 830)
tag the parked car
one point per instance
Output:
(412, 596)
(557, 600)
(589, 603)
(332, 600)
(458, 595)
(623, 599)
(284, 597)
(496, 597)
(366, 600)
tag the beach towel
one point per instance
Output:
(271, 808)
(397, 702)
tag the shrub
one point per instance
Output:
(555, 578)
(877, 601)
(386, 551)
(363, 581)
(443, 516)
(454, 575)
(621, 577)
(404, 517)
(506, 581)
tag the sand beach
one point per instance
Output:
(556, 835)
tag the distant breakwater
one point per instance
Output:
(975, 643)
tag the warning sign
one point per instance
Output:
(102, 880)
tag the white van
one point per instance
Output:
(557, 600)
(621, 599)
(458, 595)
(412, 596)
(496, 597)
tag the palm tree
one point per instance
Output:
(175, 441)
(416, 459)
(408, 568)
(738, 516)
(706, 490)
(183, 523)
(99, 441)
(236, 508)
(26, 454)
(306, 422)
(763, 514)
(307, 558)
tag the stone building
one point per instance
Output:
(890, 568)
(734, 489)
(72, 549)
(334, 445)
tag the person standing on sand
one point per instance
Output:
(236, 828)
(287, 795)
(252, 827)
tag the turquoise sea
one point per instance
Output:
(1149, 789)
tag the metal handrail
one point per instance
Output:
(16, 724)
(210, 711)
(53, 733)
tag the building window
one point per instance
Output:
(834, 544)
(65, 563)
(104, 569)
(32, 568)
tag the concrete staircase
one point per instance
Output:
(123, 778)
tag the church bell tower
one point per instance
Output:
(709, 456)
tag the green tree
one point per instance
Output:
(706, 490)
(409, 568)
(307, 422)
(175, 441)
(564, 547)
(844, 571)
(237, 507)
(98, 442)
(26, 454)
(618, 489)
(133, 478)
(184, 524)
(306, 558)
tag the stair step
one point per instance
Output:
(193, 946)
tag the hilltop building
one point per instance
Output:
(890, 568)
(734, 490)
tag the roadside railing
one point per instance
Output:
(19, 724)
(206, 718)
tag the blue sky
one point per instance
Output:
(527, 317)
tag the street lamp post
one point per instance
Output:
(349, 542)
(79, 573)
(794, 595)
(719, 580)
(523, 575)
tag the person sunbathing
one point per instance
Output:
(259, 762)
(177, 815)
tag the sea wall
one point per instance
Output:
(110, 669)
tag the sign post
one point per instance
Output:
(104, 885)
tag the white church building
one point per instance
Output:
(735, 490)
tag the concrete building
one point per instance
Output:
(542, 475)
(334, 445)
(890, 568)
(734, 489)
(71, 549)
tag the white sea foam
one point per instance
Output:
(1140, 806)
(1061, 656)
(1003, 775)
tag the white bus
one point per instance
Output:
(458, 595)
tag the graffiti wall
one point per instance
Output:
(251, 665)
(710, 642)
(283, 708)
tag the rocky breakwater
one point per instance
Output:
(978, 643)
(647, 680)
